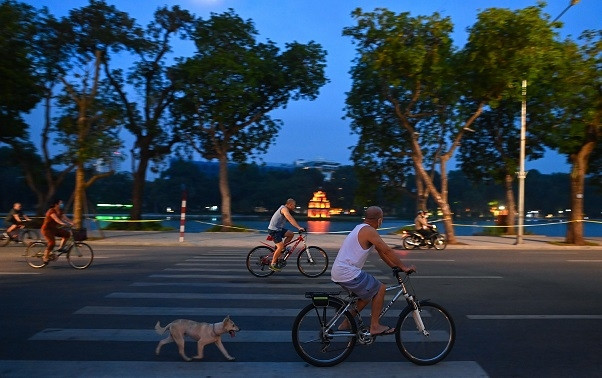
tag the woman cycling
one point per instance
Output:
(50, 229)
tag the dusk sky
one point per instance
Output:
(315, 129)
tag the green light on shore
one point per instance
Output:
(113, 206)
(112, 217)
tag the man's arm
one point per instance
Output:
(385, 252)
(287, 214)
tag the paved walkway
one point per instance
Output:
(327, 241)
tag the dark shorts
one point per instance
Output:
(364, 286)
(277, 235)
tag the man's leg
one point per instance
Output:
(277, 252)
(377, 306)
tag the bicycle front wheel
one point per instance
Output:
(259, 260)
(80, 256)
(432, 345)
(34, 255)
(314, 343)
(312, 262)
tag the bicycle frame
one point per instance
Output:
(293, 249)
(351, 302)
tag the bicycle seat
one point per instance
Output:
(269, 238)
(351, 293)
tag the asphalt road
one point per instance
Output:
(518, 313)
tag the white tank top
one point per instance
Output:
(351, 257)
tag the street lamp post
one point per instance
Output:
(523, 135)
(521, 173)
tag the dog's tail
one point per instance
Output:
(161, 330)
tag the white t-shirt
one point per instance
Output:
(351, 257)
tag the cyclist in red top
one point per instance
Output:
(50, 229)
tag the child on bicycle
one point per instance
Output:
(50, 229)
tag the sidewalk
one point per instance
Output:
(326, 241)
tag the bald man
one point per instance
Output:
(347, 268)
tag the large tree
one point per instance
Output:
(232, 83)
(491, 153)
(408, 77)
(146, 114)
(19, 91)
(566, 112)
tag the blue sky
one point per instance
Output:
(315, 129)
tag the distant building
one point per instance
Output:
(110, 162)
(326, 167)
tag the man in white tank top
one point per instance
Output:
(347, 267)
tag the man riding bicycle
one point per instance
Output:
(280, 234)
(15, 218)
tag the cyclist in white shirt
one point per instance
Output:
(347, 268)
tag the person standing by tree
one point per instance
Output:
(15, 218)
(50, 229)
(280, 234)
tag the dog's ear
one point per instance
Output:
(226, 319)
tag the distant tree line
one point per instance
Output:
(256, 189)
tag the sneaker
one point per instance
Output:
(274, 268)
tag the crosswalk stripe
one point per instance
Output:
(228, 276)
(217, 296)
(401, 369)
(195, 311)
(307, 285)
(209, 296)
(244, 336)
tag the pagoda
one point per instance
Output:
(319, 206)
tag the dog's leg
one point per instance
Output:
(179, 340)
(200, 348)
(166, 340)
(222, 349)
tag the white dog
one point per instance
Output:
(203, 333)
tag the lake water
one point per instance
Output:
(462, 228)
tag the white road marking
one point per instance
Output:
(532, 317)
(65, 369)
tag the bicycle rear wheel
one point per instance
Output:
(259, 260)
(34, 255)
(316, 346)
(29, 236)
(4, 240)
(80, 256)
(424, 349)
(312, 262)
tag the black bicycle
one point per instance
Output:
(22, 234)
(79, 254)
(425, 331)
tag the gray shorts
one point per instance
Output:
(364, 286)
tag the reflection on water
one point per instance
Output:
(320, 226)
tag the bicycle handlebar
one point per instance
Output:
(396, 272)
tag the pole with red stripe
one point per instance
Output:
(183, 214)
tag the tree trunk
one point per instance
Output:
(441, 202)
(574, 230)
(224, 189)
(510, 206)
(138, 188)
(79, 195)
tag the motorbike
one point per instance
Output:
(415, 240)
